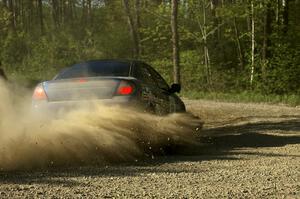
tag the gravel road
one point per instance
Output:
(244, 151)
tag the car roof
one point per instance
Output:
(129, 61)
(132, 63)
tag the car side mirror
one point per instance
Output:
(175, 88)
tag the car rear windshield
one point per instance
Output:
(94, 69)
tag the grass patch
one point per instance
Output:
(291, 100)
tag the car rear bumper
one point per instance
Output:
(54, 107)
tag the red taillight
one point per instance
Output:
(125, 88)
(82, 80)
(39, 93)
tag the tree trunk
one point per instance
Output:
(55, 13)
(266, 39)
(138, 23)
(30, 18)
(238, 43)
(16, 8)
(13, 14)
(89, 11)
(71, 11)
(61, 12)
(40, 7)
(133, 31)
(175, 41)
(285, 4)
(252, 44)
(278, 5)
(205, 49)
(216, 35)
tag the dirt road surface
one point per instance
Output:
(245, 151)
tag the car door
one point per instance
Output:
(150, 90)
(163, 95)
(171, 101)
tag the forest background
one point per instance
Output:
(236, 50)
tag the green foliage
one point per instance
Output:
(291, 100)
(31, 51)
(284, 70)
(32, 55)
(14, 49)
(4, 19)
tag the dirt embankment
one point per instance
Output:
(244, 151)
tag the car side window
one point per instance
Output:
(144, 74)
(161, 83)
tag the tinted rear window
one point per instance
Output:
(94, 69)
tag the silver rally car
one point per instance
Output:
(110, 82)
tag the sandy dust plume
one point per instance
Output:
(102, 135)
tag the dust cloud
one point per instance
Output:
(100, 135)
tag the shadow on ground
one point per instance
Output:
(221, 143)
(261, 134)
